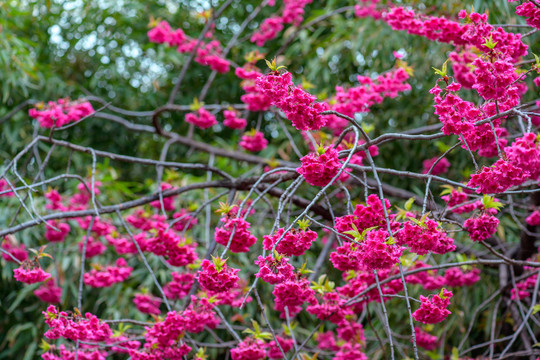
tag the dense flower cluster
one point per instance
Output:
(293, 243)
(49, 292)
(330, 308)
(530, 11)
(524, 153)
(18, 251)
(217, 276)
(175, 249)
(298, 105)
(147, 304)
(202, 119)
(233, 121)
(434, 308)
(462, 66)
(200, 314)
(109, 275)
(253, 141)
(54, 235)
(293, 13)
(30, 272)
(437, 168)
(274, 270)
(168, 202)
(377, 252)
(425, 236)
(361, 98)
(164, 340)
(236, 232)
(290, 295)
(456, 198)
(482, 227)
(321, 167)
(183, 220)
(498, 178)
(524, 288)
(208, 54)
(75, 327)
(249, 349)
(425, 340)
(60, 113)
(455, 277)
(534, 218)
(366, 216)
(180, 285)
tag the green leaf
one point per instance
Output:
(409, 204)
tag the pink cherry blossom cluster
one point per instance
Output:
(368, 9)
(202, 118)
(94, 246)
(65, 354)
(377, 253)
(292, 13)
(440, 167)
(207, 54)
(330, 307)
(232, 119)
(524, 153)
(498, 178)
(534, 218)
(350, 337)
(168, 202)
(361, 98)
(108, 275)
(366, 216)
(75, 327)
(298, 105)
(18, 251)
(274, 269)
(425, 236)
(164, 340)
(359, 280)
(524, 288)
(53, 235)
(254, 98)
(4, 189)
(30, 272)
(249, 349)
(433, 309)
(49, 292)
(457, 202)
(253, 141)
(217, 276)
(179, 286)
(462, 66)
(176, 250)
(147, 304)
(184, 220)
(425, 340)
(321, 167)
(530, 11)
(292, 243)
(60, 113)
(459, 117)
(290, 295)
(236, 232)
(474, 32)
(453, 277)
(482, 227)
